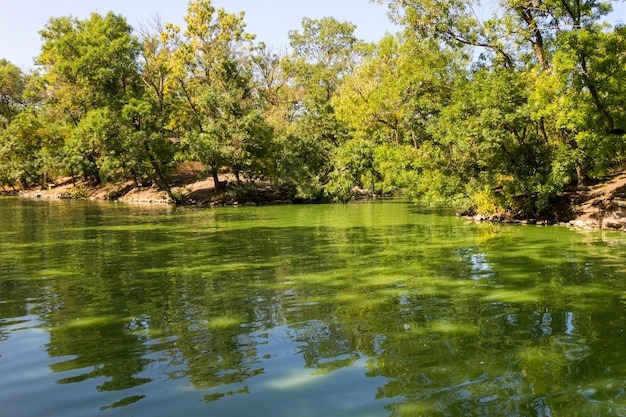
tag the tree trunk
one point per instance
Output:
(536, 40)
(216, 179)
(608, 119)
(581, 174)
(160, 179)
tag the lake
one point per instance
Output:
(364, 309)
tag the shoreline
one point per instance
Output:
(599, 206)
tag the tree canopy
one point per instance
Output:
(464, 107)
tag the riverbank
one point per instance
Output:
(189, 186)
(598, 206)
(602, 205)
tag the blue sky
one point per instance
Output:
(270, 20)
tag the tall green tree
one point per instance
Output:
(90, 69)
(541, 110)
(89, 63)
(275, 98)
(324, 53)
(147, 116)
(390, 102)
(212, 73)
(29, 142)
(12, 86)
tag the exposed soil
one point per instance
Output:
(600, 205)
(190, 185)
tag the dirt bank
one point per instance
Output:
(602, 205)
(189, 184)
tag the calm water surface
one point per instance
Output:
(373, 309)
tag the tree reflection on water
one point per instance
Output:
(434, 316)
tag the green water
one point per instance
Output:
(373, 309)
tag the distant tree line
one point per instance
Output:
(501, 113)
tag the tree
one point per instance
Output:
(20, 146)
(275, 97)
(29, 142)
(212, 75)
(89, 63)
(323, 54)
(540, 110)
(390, 102)
(148, 116)
(12, 86)
(91, 73)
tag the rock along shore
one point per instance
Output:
(600, 206)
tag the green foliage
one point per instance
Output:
(12, 87)
(539, 110)
(485, 202)
(392, 101)
(220, 124)
(308, 132)
(89, 63)
(80, 192)
(353, 164)
(90, 74)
